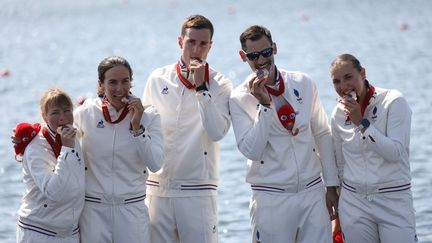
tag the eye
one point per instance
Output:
(252, 56)
(336, 81)
(112, 82)
(267, 52)
(284, 117)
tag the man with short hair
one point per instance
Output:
(281, 127)
(192, 100)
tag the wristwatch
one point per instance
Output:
(201, 87)
(138, 132)
(364, 124)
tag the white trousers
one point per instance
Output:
(381, 217)
(30, 236)
(290, 217)
(103, 223)
(183, 219)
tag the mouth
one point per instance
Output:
(63, 126)
(350, 94)
(266, 65)
(199, 59)
(120, 96)
(125, 99)
(347, 92)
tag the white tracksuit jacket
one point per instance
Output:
(278, 161)
(192, 124)
(378, 160)
(54, 189)
(116, 161)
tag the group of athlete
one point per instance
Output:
(126, 169)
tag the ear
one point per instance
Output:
(274, 48)
(211, 43)
(100, 84)
(363, 73)
(180, 42)
(243, 56)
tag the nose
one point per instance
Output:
(196, 48)
(344, 86)
(261, 59)
(62, 117)
(118, 87)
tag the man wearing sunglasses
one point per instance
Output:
(192, 99)
(281, 127)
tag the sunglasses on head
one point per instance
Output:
(255, 55)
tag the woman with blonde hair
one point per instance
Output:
(53, 171)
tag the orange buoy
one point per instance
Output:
(404, 26)
(5, 72)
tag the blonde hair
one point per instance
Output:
(54, 96)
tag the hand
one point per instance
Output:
(67, 135)
(197, 69)
(258, 90)
(336, 230)
(332, 199)
(136, 110)
(352, 109)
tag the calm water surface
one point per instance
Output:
(60, 43)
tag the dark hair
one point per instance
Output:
(346, 58)
(54, 96)
(253, 33)
(197, 22)
(108, 63)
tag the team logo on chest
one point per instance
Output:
(100, 124)
(298, 98)
(165, 90)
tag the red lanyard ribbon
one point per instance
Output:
(186, 82)
(107, 115)
(56, 144)
(281, 89)
(367, 99)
